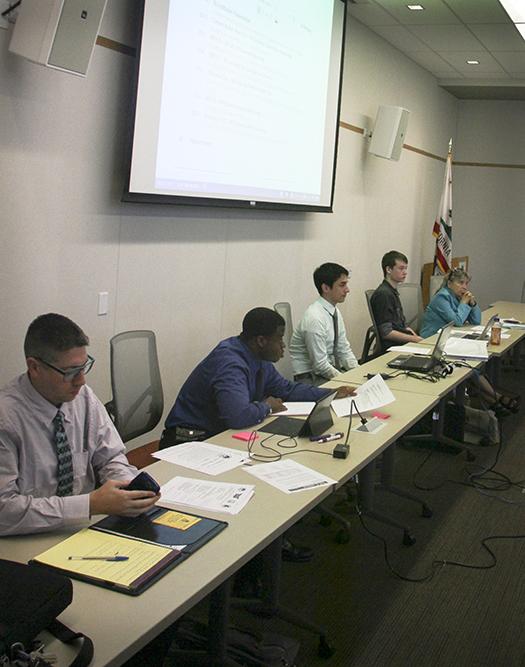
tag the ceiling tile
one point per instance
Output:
(478, 11)
(432, 62)
(370, 15)
(446, 37)
(511, 62)
(435, 12)
(487, 64)
(401, 38)
(499, 37)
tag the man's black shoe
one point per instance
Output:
(295, 553)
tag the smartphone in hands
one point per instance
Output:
(143, 482)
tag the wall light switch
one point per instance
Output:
(103, 303)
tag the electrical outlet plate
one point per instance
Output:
(6, 20)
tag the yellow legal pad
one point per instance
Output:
(143, 558)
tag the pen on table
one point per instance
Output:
(307, 486)
(328, 438)
(113, 559)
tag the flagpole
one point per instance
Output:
(442, 229)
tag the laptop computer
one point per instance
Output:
(414, 362)
(485, 334)
(319, 419)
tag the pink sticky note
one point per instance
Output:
(244, 435)
(380, 415)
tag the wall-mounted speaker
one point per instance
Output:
(389, 132)
(58, 33)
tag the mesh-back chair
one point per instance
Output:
(138, 401)
(284, 365)
(412, 302)
(372, 346)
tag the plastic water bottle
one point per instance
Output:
(495, 332)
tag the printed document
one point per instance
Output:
(466, 349)
(369, 396)
(203, 495)
(203, 456)
(289, 476)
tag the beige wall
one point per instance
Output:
(191, 273)
(489, 219)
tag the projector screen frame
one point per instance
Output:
(129, 196)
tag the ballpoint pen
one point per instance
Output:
(113, 559)
(328, 437)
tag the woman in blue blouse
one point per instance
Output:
(455, 303)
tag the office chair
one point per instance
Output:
(412, 302)
(523, 293)
(138, 401)
(284, 365)
(372, 344)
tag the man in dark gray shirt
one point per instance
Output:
(386, 304)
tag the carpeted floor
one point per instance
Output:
(462, 617)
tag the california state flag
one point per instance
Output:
(443, 224)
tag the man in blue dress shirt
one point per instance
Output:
(236, 385)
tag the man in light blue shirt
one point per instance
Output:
(319, 347)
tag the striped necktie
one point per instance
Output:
(65, 462)
(336, 335)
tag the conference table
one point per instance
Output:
(120, 625)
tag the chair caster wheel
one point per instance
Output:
(426, 512)
(325, 520)
(408, 540)
(325, 650)
(471, 457)
(342, 536)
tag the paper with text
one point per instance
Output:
(369, 396)
(289, 476)
(203, 495)
(203, 456)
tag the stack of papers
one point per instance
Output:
(369, 396)
(466, 349)
(289, 476)
(181, 492)
(203, 456)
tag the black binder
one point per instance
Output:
(143, 528)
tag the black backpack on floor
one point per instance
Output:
(31, 599)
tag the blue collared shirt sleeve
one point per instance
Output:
(231, 389)
(474, 316)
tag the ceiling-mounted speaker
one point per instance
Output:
(58, 33)
(389, 132)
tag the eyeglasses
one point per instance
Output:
(71, 373)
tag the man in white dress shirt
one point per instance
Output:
(61, 458)
(319, 347)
